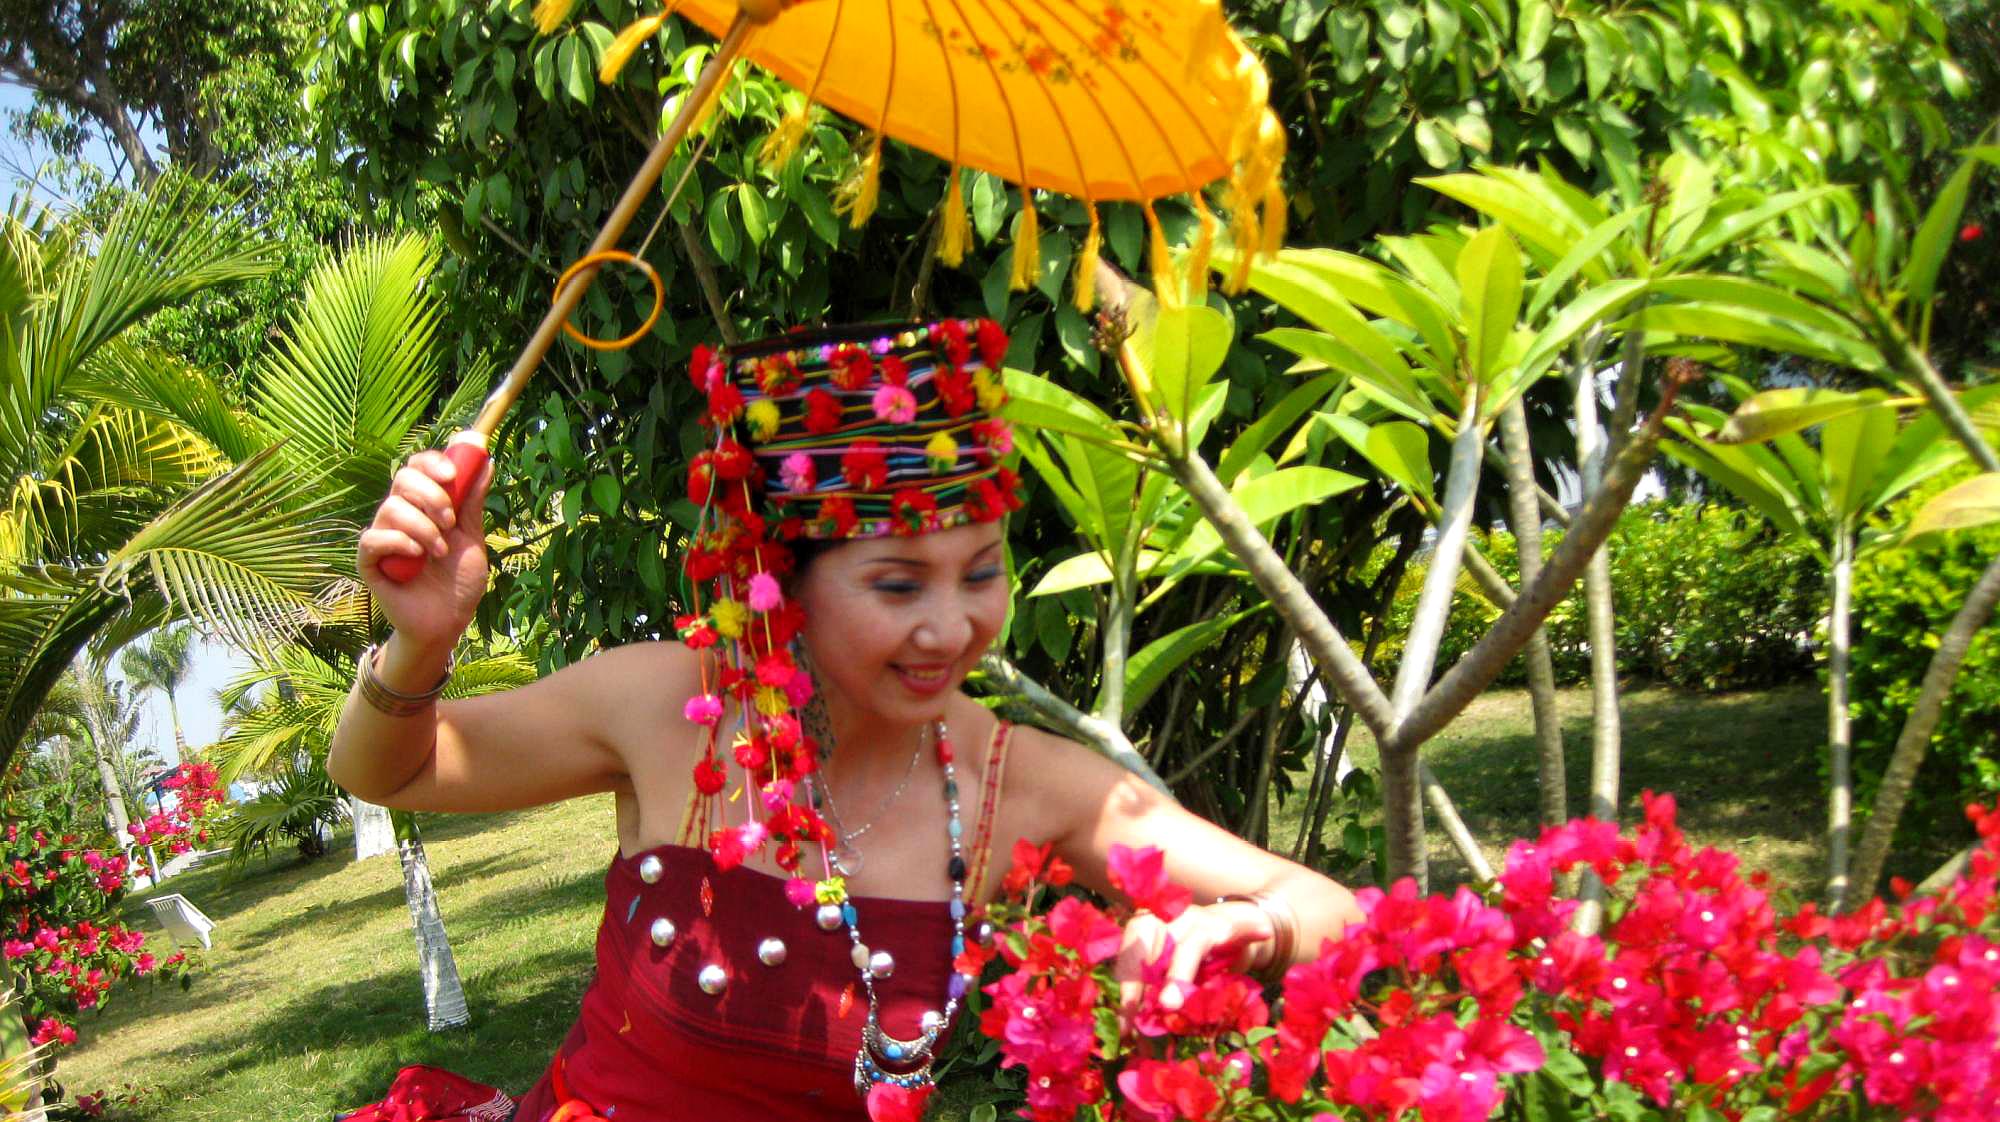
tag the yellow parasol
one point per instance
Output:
(1103, 100)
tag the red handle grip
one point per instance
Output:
(470, 459)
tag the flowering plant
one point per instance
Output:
(1698, 1001)
(59, 892)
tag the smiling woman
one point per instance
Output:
(751, 963)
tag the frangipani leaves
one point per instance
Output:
(1774, 413)
(1975, 502)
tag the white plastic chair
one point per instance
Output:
(184, 922)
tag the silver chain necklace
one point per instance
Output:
(820, 727)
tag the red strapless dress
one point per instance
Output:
(776, 1045)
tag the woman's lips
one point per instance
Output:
(924, 679)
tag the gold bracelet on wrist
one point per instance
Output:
(1284, 934)
(393, 702)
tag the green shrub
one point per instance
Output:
(1708, 598)
(1903, 601)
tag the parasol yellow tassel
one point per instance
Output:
(1274, 219)
(1027, 244)
(1166, 285)
(620, 51)
(1085, 281)
(550, 14)
(784, 141)
(856, 197)
(954, 224)
(1204, 245)
(1244, 235)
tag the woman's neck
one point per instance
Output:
(867, 749)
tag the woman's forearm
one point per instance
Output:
(375, 754)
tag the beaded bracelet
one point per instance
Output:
(1284, 934)
(392, 702)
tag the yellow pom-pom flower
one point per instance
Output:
(772, 702)
(729, 618)
(762, 416)
(832, 890)
(942, 451)
(992, 395)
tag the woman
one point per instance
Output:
(805, 952)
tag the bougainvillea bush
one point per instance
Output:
(1698, 1000)
(60, 883)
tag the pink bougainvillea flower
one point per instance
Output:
(890, 1103)
(1141, 874)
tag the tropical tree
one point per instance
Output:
(1830, 495)
(161, 663)
(131, 491)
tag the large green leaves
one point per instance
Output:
(1489, 282)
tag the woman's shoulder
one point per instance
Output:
(638, 688)
(1062, 784)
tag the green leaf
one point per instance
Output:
(1774, 413)
(1934, 236)
(1690, 192)
(1073, 332)
(1489, 281)
(572, 506)
(1086, 570)
(1258, 435)
(721, 228)
(989, 205)
(1052, 628)
(1149, 669)
(1391, 386)
(606, 493)
(573, 67)
(1298, 18)
(1263, 500)
(756, 213)
(1754, 327)
(1182, 348)
(1537, 21)
(1398, 449)
(1852, 446)
(1975, 502)
(1436, 144)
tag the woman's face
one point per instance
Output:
(895, 624)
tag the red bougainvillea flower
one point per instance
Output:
(890, 1103)
(1971, 232)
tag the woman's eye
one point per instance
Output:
(897, 587)
(981, 576)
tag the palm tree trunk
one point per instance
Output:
(1839, 725)
(374, 830)
(1915, 739)
(1524, 513)
(114, 797)
(444, 997)
(180, 738)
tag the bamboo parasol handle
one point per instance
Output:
(467, 449)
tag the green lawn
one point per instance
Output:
(311, 1002)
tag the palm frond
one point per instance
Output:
(243, 556)
(356, 365)
(41, 635)
(157, 384)
(160, 248)
(457, 411)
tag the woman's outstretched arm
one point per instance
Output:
(1086, 805)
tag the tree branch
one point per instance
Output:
(1101, 736)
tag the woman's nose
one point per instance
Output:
(948, 631)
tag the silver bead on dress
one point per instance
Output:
(828, 917)
(650, 869)
(881, 964)
(712, 979)
(932, 1021)
(771, 952)
(663, 931)
(858, 954)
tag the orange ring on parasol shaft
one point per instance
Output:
(639, 263)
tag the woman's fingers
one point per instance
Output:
(378, 543)
(1144, 935)
(398, 513)
(421, 489)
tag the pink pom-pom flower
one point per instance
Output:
(799, 891)
(797, 472)
(895, 404)
(703, 709)
(765, 595)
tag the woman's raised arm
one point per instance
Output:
(555, 739)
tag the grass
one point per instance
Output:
(1743, 768)
(310, 1000)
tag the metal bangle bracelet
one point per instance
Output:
(388, 700)
(1284, 933)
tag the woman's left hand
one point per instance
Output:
(1196, 933)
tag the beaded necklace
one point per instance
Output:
(837, 910)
